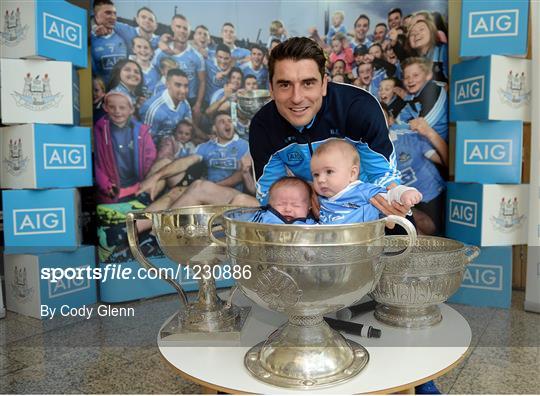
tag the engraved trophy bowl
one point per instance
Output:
(411, 287)
(250, 102)
(182, 235)
(306, 272)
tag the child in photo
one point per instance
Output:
(180, 144)
(289, 202)
(342, 51)
(143, 54)
(98, 94)
(338, 17)
(127, 78)
(277, 32)
(165, 64)
(335, 167)
(387, 95)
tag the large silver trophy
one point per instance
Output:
(411, 287)
(306, 272)
(182, 235)
(250, 102)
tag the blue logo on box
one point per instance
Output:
(64, 156)
(499, 23)
(66, 286)
(62, 31)
(483, 276)
(39, 221)
(469, 90)
(487, 152)
(463, 212)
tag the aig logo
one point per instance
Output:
(483, 276)
(39, 221)
(64, 156)
(463, 212)
(62, 31)
(65, 285)
(488, 152)
(469, 90)
(500, 23)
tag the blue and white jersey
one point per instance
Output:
(191, 62)
(432, 104)
(347, 112)
(151, 77)
(268, 215)
(128, 33)
(333, 30)
(212, 82)
(223, 160)
(439, 56)
(162, 116)
(366, 43)
(105, 52)
(125, 90)
(217, 95)
(239, 53)
(261, 75)
(350, 205)
(160, 86)
(413, 153)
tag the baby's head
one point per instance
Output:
(291, 197)
(334, 165)
(337, 18)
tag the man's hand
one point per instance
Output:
(100, 30)
(164, 41)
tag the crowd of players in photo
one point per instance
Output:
(164, 103)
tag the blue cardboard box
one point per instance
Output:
(48, 29)
(491, 88)
(489, 152)
(45, 156)
(30, 286)
(487, 214)
(487, 281)
(41, 218)
(494, 27)
(39, 91)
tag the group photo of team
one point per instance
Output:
(169, 131)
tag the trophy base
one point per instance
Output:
(177, 328)
(411, 318)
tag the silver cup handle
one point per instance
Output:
(133, 238)
(411, 233)
(471, 252)
(211, 230)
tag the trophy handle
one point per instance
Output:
(133, 238)
(211, 230)
(471, 252)
(411, 233)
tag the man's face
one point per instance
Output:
(178, 87)
(415, 78)
(224, 128)
(292, 202)
(119, 109)
(223, 60)
(106, 15)
(142, 49)
(394, 20)
(236, 81)
(298, 89)
(146, 21)
(227, 34)
(380, 32)
(365, 73)
(386, 91)
(180, 28)
(256, 57)
(332, 171)
(183, 133)
(251, 84)
(361, 28)
(201, 37)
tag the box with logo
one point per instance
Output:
(39, 91)
(487, 214)
(41, 218)
(494, 27)
(488, 152)
(30, 285)
(44, 156)
(47, 29)
(488, 280)
(491, 88)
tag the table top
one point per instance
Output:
(400, 359)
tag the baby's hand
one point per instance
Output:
(411, 197)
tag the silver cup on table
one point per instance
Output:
(306, 272)
(411, 287)
(182, 235)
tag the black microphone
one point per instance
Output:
(355, 310)
(353, 328)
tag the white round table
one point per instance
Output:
(399, 360)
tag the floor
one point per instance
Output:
(104, 355)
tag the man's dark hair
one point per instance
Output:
(381, 24)
(394, 10)
(179, 16)
(228, 24)
(201, 27)
(360, 50)
(145, 9)
(184, 121)
(259, 47)
(223, 48)
(296, 49)
(249, 76)
(220, 113)
(362, 16)
(98, 3)
(176, 72)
